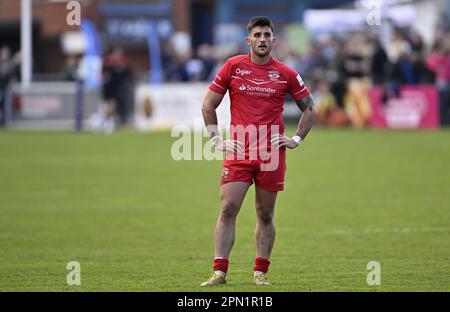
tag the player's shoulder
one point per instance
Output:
(284, 67)
(234, 60)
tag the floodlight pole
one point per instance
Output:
(25, 42)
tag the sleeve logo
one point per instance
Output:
(300, 80)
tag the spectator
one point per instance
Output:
(71, 68)
(205, 53)
(328, 112)
(397, 45)
(177, 70)
(117, 80)
(416, 43)
(9, 70)
(439, 62)
(403, 69)
(195, 69)
(354, 68)
(311, 60)
(118, 92)
(410, 68)
(379, 63)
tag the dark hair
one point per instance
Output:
(260, 21)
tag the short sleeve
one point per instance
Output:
(297, 87)
(221, 81)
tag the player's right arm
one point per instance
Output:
(211, 101)
(216, 91)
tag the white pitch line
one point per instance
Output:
(386, 230)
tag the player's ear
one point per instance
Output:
(274, 40)
(249, 42)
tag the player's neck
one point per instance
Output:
(258, 59)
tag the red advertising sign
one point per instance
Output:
(416, 107)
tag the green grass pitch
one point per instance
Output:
(136, 220)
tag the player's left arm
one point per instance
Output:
(309, 112)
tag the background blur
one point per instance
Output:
(137, 219)
(146, 63)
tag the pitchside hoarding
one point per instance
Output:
(49, 106)
(164, 106)
(415, 107)
(160, 107)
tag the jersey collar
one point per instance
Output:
(262, 65)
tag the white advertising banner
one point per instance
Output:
(160, 107)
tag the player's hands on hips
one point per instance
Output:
(279, 140)
(231, 146)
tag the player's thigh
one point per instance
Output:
(232, 195)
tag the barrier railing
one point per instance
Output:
(50, 106)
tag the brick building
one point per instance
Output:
(116, 21)
(121, 23)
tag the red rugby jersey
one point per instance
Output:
(258, 92)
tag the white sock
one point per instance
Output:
(221, 273)
(258, 273)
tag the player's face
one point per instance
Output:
(261, 40)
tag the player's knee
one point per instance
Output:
(229, 209)
(264, 216)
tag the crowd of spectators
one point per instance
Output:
(340, 70)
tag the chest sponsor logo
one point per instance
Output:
(243, 72)
(257, 91)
